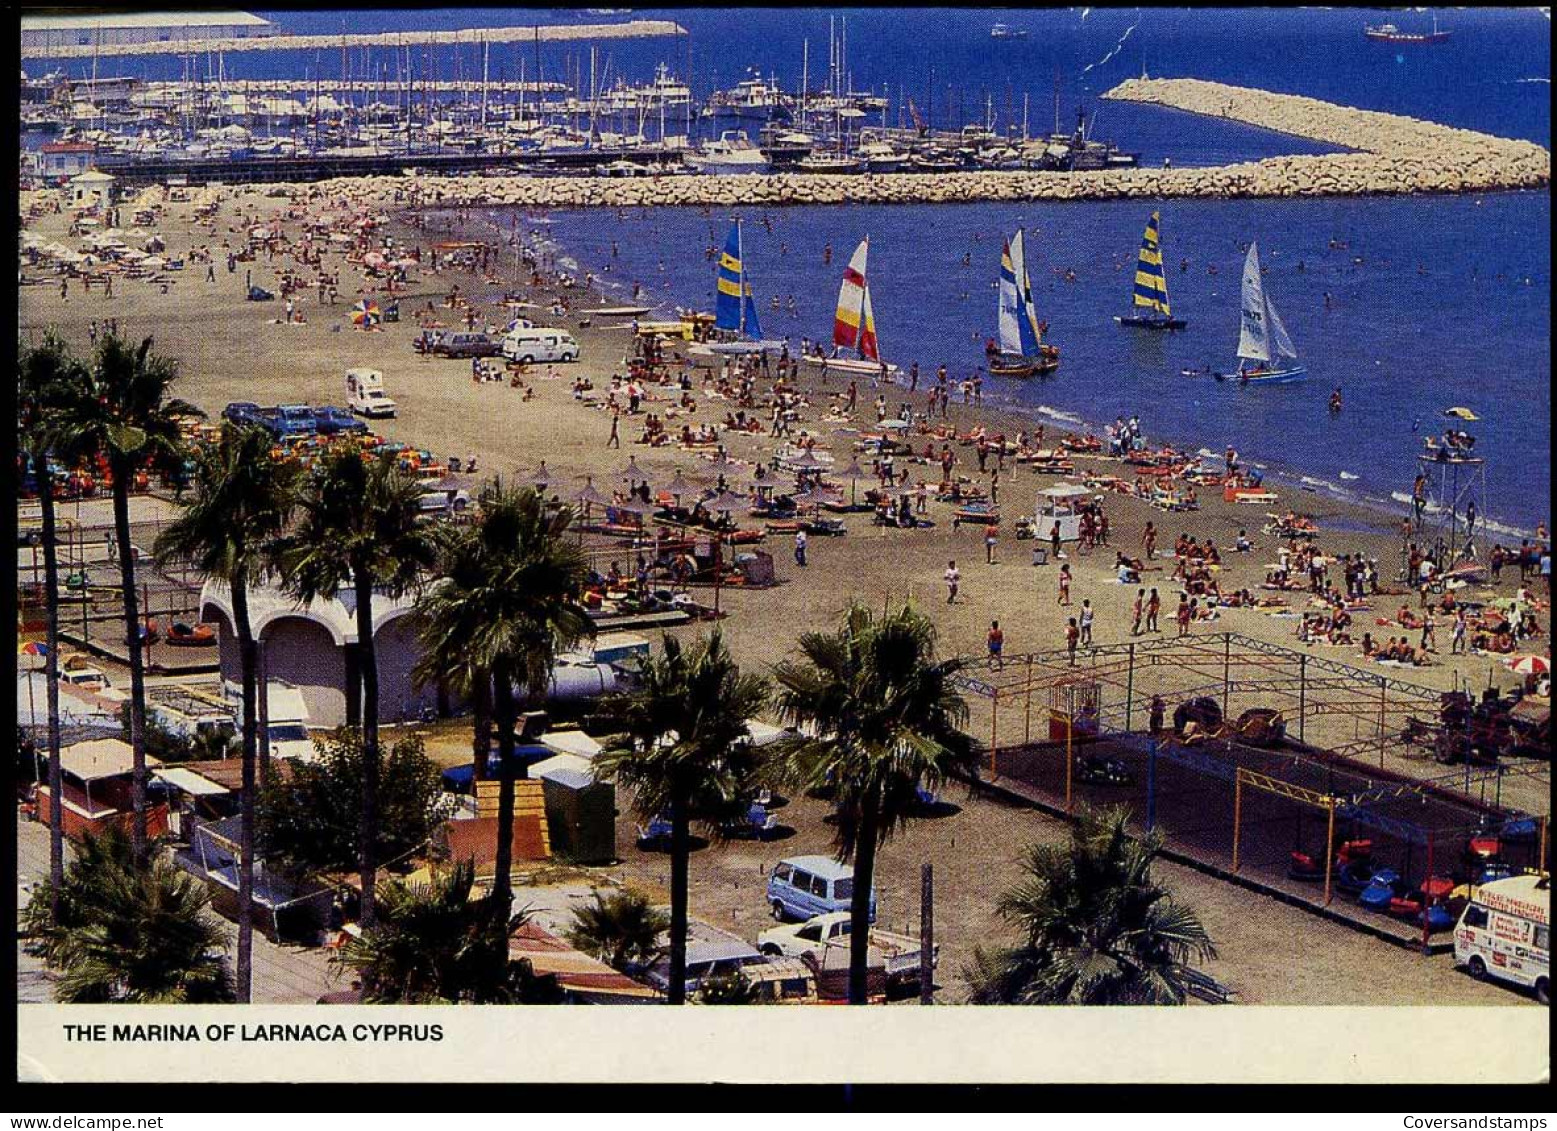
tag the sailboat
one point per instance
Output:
(1151, 286)
(1264, 346)
(1019, 350)
(735, 311)
(854, 324)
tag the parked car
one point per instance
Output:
(330, 420)
(365, 394)
(803, 887)
(466, 343)
(709, 952)
(243, 412)
(899, 952)
(295, 420)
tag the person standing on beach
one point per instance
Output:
(1136, 611)
(991, 540)
(800, 548)
(615, 439)
(1149, 541)
(1064, 597)
(1457, 641)
(997, 642)
(913, 377)
(1086, 622)
(953, 576)
(1158, 713)
(1419, 495)
(1072, 637)
(1054, 540)
(1429, 642)
(1182, 615)
(1153, 607)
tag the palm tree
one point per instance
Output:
(129, 932)
(677, 754)
(434, 943)
(622, 931)
(880, 719)
(445, 615)
(49, 381)
(507, 605)
(360, 526)
(129, 418)
(240, 502)
(1097, 929)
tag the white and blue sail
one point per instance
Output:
(1264, 346)
(1017, 331)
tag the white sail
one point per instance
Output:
(1283, 340)
(1027, 318)
(1010, 334)
(1254, 329)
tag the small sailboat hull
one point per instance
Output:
(1266, 376)
(1139, 323)
(1023, 366)
(852, 365)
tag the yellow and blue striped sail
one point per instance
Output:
(730, 285)
(1151, 286)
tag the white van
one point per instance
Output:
(365, 394)
(286, 719)
(1505, 932)
(538, 343)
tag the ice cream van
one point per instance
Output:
(1505, 932)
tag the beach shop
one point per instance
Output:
(96, 789)
(1060, 504)
(91, 191)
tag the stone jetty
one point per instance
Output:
(1386, 154)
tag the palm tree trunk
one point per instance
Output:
(504, 708)
(367, 662)
(859, 902)
(122, 471)
(248, 657)
(680, 853)
(51, 677)
(481, 712)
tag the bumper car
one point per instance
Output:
(183, 635)
(1097, 769)
(1384, 887)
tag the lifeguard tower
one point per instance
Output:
(1457, 492)
(1060, 504)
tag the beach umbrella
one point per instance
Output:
(1529, 665)
(723, 465)
(726, 501)
(588, 495)
(33, 654)
(366, 313)
(374, 259)
(636, 506)
(634, 473)
(679, 486)
(806, 461)
(542, 477)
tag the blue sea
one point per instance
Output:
(1435, 302)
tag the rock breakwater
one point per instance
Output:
(1389, 154)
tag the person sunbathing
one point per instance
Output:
(1407, 618)
(1370, 647)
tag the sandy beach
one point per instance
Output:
(233, 350)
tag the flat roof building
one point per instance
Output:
(105, 29)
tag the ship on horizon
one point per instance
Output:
(1389, 33)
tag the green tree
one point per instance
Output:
(437, 943)
(129, 417)
(1097, 929)
(506, 605)
(127, 933)
(240, 502)
(881, 719)
(622, 930)
(309, 818)
(359, 526)
(679, 755)
(50, 383)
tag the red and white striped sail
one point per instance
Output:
(852, 303)
(868, 348)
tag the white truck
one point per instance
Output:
(1505, 932)
(899, 953)
(286, 718)
(365, 394)
(529, 344)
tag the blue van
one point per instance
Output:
(803, 887)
